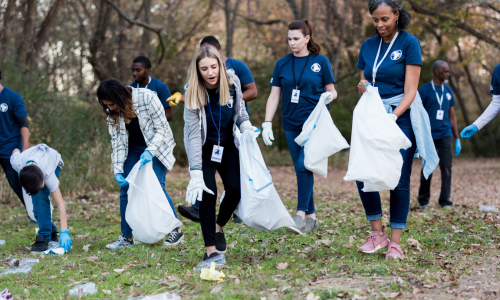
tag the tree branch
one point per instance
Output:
(458, 24)
(157, 30)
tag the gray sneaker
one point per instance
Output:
(311, 225)
(120, 244)
(299, 223)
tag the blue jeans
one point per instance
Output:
(400, 196)
(305, 178)
(134, 155)
(42, 212)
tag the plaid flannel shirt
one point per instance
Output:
(154, 126)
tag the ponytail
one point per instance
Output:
(306, 27)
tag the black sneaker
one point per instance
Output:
(189, 212)
(205, 257)
(41, 244)
(54, 237)
(220, 243)
(237, 219)
(173, 238)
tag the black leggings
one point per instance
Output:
(229, 171)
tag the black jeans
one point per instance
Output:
(12, 178)
(229, 171)
(444, 150)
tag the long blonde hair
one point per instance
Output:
(197, 92)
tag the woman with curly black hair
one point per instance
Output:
(391, 61)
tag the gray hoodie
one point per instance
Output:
(195, 124)
(47, 159)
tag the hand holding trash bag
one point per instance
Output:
(469, 131)
(246, 125)
(65, 240)
(267, 133)
(329, 98)
(196, 187)
(121, 180)
(145, 158)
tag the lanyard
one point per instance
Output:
(146, 84)
(375, 65)
(220, 117)
(440, 100)
(293, 70)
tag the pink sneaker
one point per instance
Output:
(376, 241)
(394, 251)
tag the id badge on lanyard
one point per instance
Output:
(295, 96)
(217, 153)
(296, 91)
(217, 150)
(440, 112)
(377, 65)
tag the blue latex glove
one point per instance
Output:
(458, 147)
(145, 158)
(469, 131)
(121, 180)
(65, 240)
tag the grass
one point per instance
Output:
(449, 244)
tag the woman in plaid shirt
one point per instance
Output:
(214, 105)
(139, 131)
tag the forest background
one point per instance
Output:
(55, 52)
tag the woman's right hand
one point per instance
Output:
(362, 86)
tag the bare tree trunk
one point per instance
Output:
(28, 31)
(230, 14)
(305, 9)
(295, 8)
(123, 66)
(338, 53)
(146, 35)
(469, 78)
(100, 66)
(7, 19)
(44, 32)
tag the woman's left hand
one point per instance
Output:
(362, 87)
(145, 158)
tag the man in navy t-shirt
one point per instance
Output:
(439, 101)
(14, 133)
(141, 67)
(249, 90)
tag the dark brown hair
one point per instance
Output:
(306, 27)
(114, 91)
(31, 178)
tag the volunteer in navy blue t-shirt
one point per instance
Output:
(249, 89)
(490, 112)
(141, 67)
(397, 55)
(438, 100)
(14, 133)
(300, 78)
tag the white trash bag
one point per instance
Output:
(28, 201)
(320, 139)
(148, 212)
(376, 141)
(260, 207)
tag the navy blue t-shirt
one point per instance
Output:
(495, 81)
(213, 114)
(390, 78)
(242, 71)
(317, 74)
(11, 107)
(439, 128)
(158, 87)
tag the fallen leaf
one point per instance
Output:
(118, 270)
(92, 259)
(236, 281)
(324, 242)
(415, 291)
(468, 251)
(106, 292)
(311, 296)
(216, 289)
(348, 245)
(233, 243)
(282, 266)
(86, 248)
(412, 241)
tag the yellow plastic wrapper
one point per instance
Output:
(212, 274)
(174, 99)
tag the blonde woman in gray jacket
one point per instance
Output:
(213, 107)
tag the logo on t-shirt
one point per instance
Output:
(448, 96)
(396, 54)
(4, 107)
(316, 67)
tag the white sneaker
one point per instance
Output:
(120, 244)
